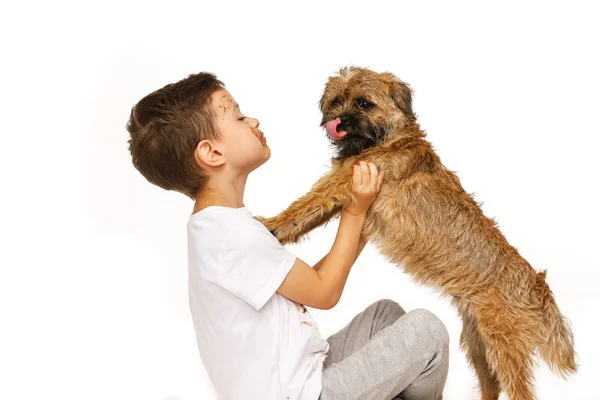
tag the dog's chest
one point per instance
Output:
(393, 215)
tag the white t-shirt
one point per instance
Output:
(254, 343)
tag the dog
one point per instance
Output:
(423, 220)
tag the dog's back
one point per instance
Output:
(424, 220)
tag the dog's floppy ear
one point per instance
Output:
(322, 102)
(326, 93)
(401, 93)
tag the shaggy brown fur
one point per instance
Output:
(424, 220)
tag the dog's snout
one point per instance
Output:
(343, 121)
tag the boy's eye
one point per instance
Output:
(241, 119)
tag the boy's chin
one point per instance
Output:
(265, 158)
(266, 154)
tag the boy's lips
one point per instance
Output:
(261, 136)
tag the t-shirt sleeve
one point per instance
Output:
(252, 264)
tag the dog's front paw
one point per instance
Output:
(269, 223)
(284, 232)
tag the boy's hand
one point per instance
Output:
(366, 182)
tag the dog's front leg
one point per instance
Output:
(324, 201)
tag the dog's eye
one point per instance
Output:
(336, 102)
(364, 104)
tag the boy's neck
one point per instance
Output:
(221, 191)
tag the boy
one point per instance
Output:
(247, 292)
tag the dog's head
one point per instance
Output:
(362, 108)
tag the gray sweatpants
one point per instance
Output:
(386, 353)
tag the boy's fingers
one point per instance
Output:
(364, 169)
(373, 172)
(361, 175)
(356, 176)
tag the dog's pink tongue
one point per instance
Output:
(331, 129)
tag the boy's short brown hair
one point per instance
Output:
(165, 128)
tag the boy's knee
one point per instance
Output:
(389, 303)
(432, 328)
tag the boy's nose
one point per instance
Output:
(254, 123)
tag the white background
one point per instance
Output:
(93, 284)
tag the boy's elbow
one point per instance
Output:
(331, 302)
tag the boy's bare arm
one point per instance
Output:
(335, 268)
(362, 241)
(322, 287)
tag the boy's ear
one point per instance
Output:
(209, 154)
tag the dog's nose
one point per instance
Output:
(343, 121)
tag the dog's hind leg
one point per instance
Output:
(513, 367)
(508, 347)
(472, 343)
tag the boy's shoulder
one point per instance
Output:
(224, 216)
(233, 227)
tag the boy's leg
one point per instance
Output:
(384, 351)
(361, 329)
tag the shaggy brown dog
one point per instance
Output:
(424, 220)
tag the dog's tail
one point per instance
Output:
(557, 346)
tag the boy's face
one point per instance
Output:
(244, 145)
